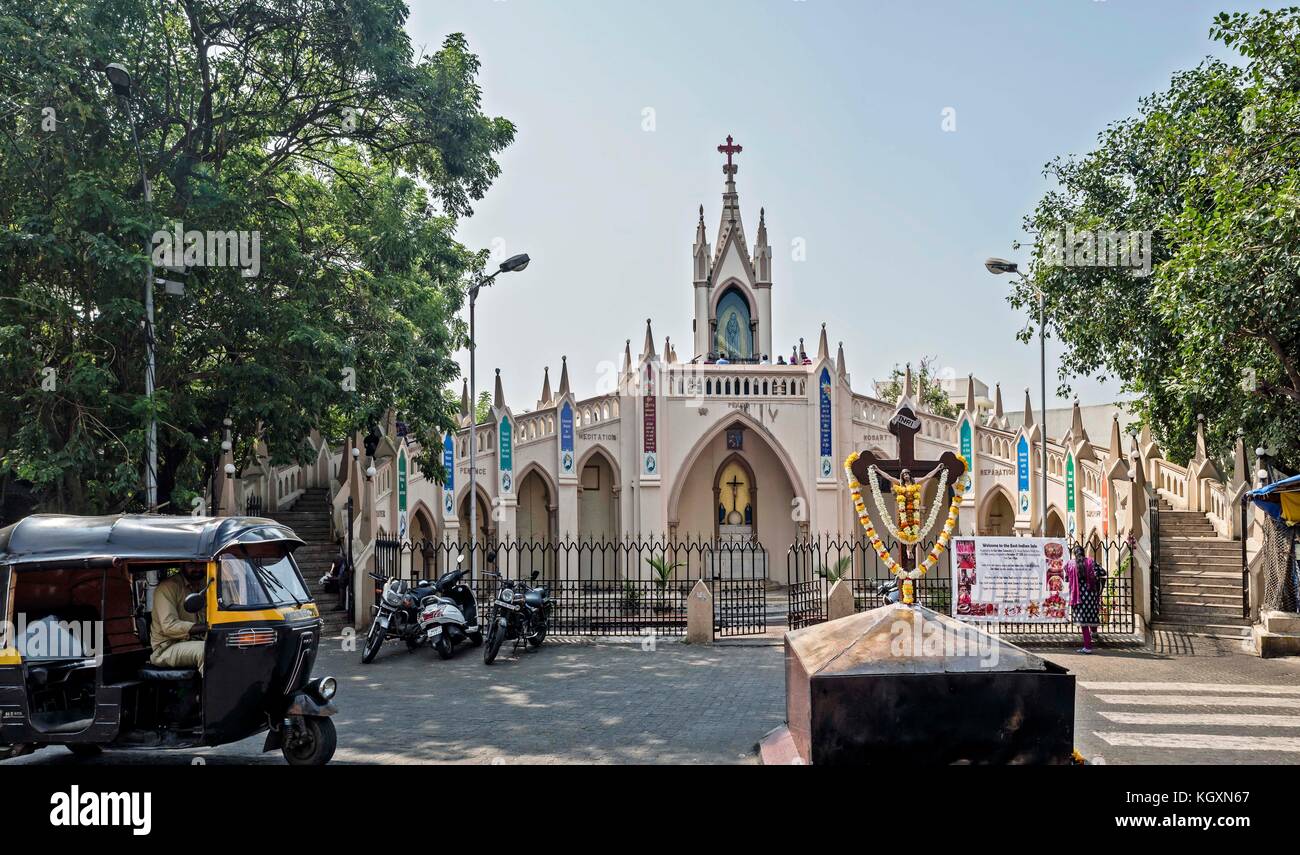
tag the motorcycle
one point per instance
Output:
(520, 613)
(397, 614)
(451, 615)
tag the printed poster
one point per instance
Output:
(1019, 579)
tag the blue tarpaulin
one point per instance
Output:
(1280, 500)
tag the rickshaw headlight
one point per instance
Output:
(324, 688)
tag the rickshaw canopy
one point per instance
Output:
(1280, 500)
(43, 539)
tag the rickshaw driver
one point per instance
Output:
(175, 634)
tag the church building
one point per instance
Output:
(736, 442)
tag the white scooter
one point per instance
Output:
(452, 616)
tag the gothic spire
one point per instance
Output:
(1077, 432)
(730, 222)
(498, 396)
(1115, 451)
(823, 350)
(762, 252)
(998, 416)
(627, 355)
(970, 395)
(839, 361)
(649, 350)
(464, 402)
(700, 253)
(1029, 411)
(546, 398)
(907, 382)
(564, 376)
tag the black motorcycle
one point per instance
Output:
(521, 613)
(397, 615)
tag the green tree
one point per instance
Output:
(929, 395)
(311, 124)
(1211, 168)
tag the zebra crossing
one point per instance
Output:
(1247, 721)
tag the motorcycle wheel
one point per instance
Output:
(374, 641)
(536, 640)
(495, 636)
(317, 746)
(444, 646)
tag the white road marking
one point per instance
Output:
(1243, 688)
(1202, 741)
(1202, 719)
(1199, 701)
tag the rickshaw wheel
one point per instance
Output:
(317, 745)
(85, 749)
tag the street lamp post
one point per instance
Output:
(120, 80)
(513, 264)
(998, 266)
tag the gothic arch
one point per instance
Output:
(988, 502)
(739, 459)
(426, 517)
(552, 488)
(733, 419)
(609, 458)
(1055, 526)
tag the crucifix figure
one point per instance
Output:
(904, 426)
(734, 484)
(729, 149)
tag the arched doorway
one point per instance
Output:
(1055, 525)
(735, 485)
(598, 514)
(998, 518)
(486, 525)
(534, 523)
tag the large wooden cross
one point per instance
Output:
(729, 149)
(904, 426)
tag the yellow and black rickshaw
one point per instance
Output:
(76, 601)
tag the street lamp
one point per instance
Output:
(999, 266)
(120, 79)
(513, 264)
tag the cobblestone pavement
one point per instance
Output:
(1194, 701)
(566, 702)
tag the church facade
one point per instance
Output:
(731, 444)
(736, 443)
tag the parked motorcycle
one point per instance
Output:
(451, 615)
(520, 613)
(397, 614)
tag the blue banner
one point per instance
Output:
(566, 438)
(1022, 472)
(824, 390)
(449, 480)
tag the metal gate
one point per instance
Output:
(737, 574)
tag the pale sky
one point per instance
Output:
(839, 106)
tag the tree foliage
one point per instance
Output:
(929, 395)
(310, 123)
(1211, 168)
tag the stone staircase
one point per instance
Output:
(1200, 578)
(309, 519)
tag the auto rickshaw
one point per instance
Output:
(76, 600)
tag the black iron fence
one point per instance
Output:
(603, 587)
(814, 565)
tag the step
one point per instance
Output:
(1210, 630)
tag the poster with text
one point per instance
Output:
(1019, 579)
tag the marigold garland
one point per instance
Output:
(905, 577)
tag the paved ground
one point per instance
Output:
(562, 703)
(1178, 701)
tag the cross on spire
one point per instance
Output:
(729, 149)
